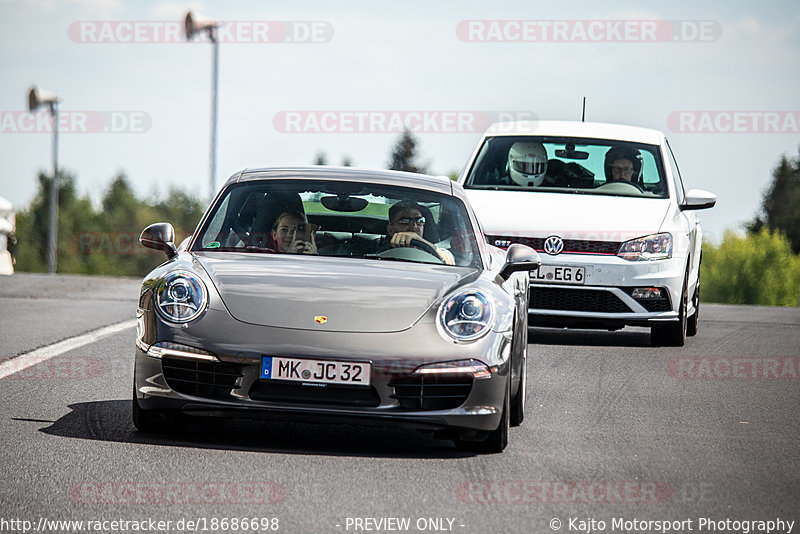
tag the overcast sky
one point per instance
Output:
(136, 97)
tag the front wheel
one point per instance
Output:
(518, 402)
(145, 420)
(673, 334)
(691, 324)
(497, 440)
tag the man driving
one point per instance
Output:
(406, 223)
(623, 164)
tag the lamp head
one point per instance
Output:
(39, 97)
(194, 24)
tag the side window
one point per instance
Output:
(680, 193)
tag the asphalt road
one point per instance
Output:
(614, 429)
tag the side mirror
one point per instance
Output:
(520, 258)
(697, 199)
(160, 236)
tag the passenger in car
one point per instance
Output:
(293, 234)
(406, 223)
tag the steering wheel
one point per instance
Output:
(425, 247)
(624, 183)
(418, 251)
(637, 186)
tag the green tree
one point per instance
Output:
(404, 155)
(759, 268)
(102, 242)
(780, 209)
(321, 158)
(182, 210)
(32, 226)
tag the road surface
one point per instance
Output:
(616, 431)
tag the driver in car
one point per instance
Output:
(623, 164)
(406, 223)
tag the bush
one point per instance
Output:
(757, 269)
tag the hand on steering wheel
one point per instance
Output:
(442, 254)
(412, 239)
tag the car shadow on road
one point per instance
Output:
(110, 420)
(628, 337)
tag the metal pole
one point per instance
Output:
(214, 77)
(53, 232)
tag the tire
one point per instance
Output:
(145, 420)
(673, 334)
(497, 440)
(691, 323)
(518, 402)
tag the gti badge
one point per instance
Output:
(553, 245)
(320, 319)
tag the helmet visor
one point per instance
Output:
(529, 166)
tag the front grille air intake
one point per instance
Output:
(579, 300)
(201, 378)
(431, 392)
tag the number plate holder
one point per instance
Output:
(316, 371)
(559, 274)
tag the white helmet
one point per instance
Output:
(527, 163)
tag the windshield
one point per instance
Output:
(569, 165)
(342, 219)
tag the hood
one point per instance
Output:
(570, 216)
(353, 295)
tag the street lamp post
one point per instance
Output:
(36, 99)
(194, 24)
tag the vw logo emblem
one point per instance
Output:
(553, 245)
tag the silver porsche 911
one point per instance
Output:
(336, 295)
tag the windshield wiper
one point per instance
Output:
(262, 250)
(238, 249)
(390, 258)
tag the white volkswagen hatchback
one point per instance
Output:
(607, 206)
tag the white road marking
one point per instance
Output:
(23, 361)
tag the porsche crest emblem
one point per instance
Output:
(321, 319)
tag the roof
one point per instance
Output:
(591, 130)
(440, 184)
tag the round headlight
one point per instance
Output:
(466, 316)
(181, 297)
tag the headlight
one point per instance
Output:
(651, 247)
(467, 316)
(181, 297)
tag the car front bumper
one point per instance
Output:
(605, 298)
(230, 385)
